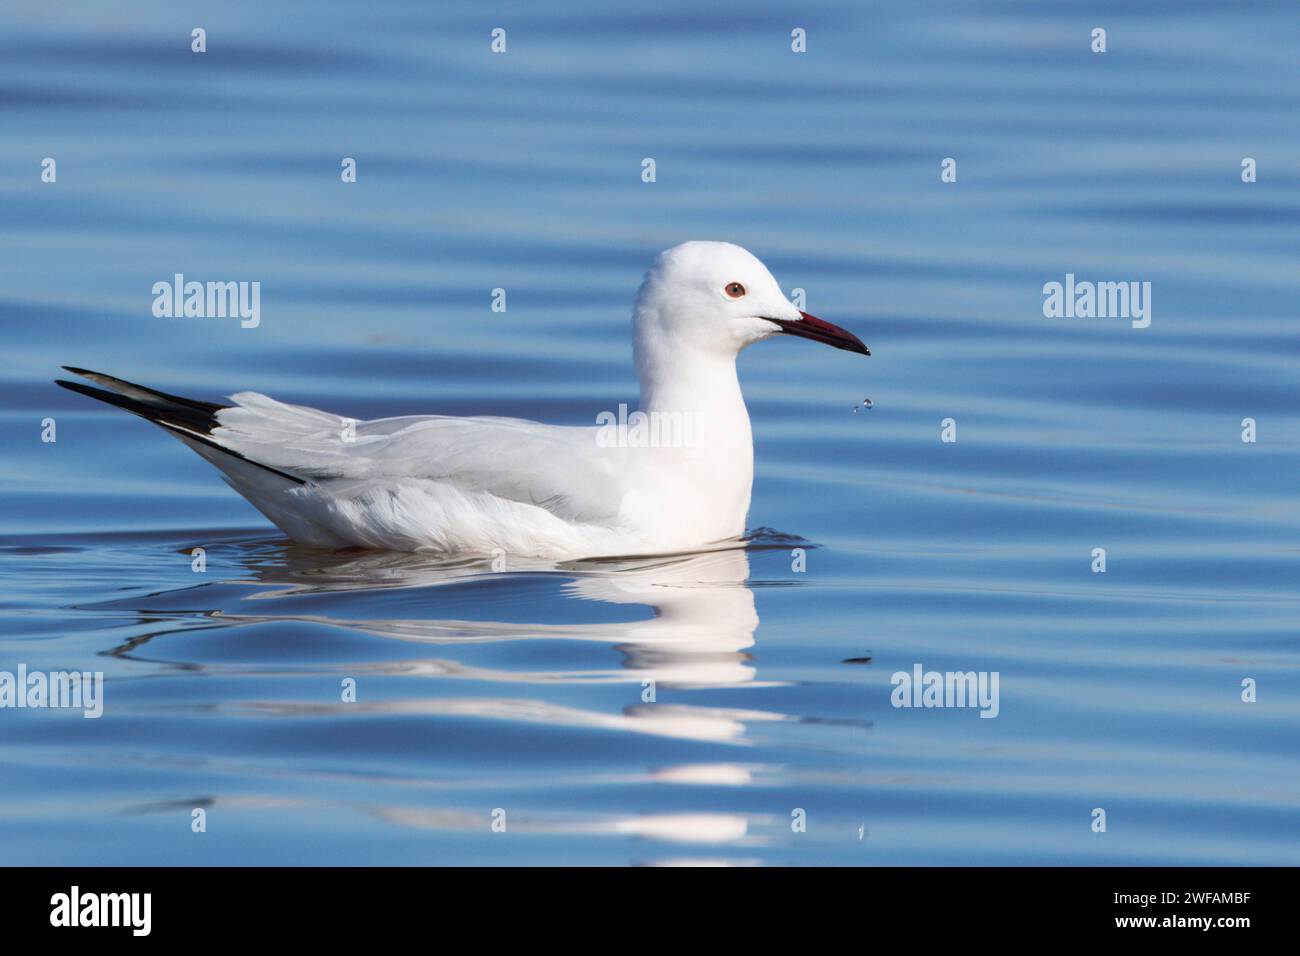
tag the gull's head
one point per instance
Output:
(717, 297)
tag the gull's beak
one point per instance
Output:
(811, 327)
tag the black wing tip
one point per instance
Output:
(78, 386)
(111, 398)
(191, 426)
(147, 395)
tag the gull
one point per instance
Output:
(674, 477)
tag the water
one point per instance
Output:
(522, 690)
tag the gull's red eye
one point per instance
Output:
(735, 290)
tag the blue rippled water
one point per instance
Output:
(522, 691)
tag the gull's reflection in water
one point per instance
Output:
(698, 633)
(684, 626)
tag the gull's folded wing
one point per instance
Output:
(558, 468)
(267, 448)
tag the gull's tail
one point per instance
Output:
(190, 420)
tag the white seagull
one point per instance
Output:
(674, 477)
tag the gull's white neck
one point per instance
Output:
(702, 384)
(706, 484)
(676, 377)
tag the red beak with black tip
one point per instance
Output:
(811, 327)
